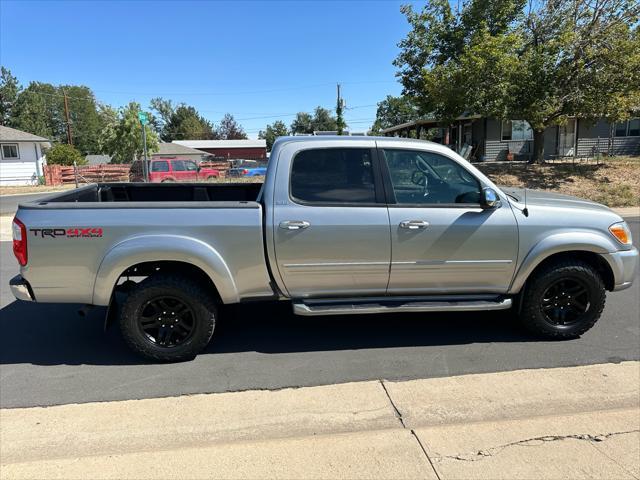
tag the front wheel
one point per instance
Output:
(168, 318)
(563, 300)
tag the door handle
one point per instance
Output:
(294, 224)
(414, 224)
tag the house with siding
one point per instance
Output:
(491, 139)
(22, 156)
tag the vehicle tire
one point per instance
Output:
(211, 177)
(563, 300)
(168, 318)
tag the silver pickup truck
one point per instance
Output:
(342, 225)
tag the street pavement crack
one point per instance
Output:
(398, 415)
(530, 442)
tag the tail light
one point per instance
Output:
(19, 241)
(245, 171)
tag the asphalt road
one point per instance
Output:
(9, 203)
(49, 355)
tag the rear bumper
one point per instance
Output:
(624, 265)
(21, 289)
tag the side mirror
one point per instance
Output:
(198, 168)
(489, 198)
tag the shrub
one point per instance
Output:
(63, 154)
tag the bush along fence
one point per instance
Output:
(62, 174)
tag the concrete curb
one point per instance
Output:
(356, 430)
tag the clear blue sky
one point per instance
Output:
(253, 59)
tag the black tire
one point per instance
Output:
(151, 333)
(550, 310)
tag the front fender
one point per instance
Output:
(557, 243)
(157, 248)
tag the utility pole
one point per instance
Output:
(66, 114)
(339, 108)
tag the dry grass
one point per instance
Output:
(615, 182)
(23, 189)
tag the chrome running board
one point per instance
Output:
(336, 306)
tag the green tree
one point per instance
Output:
(9, 89)
(39, 109)
(164, 109)
(187, 124)
(323, 121)
(272, 132)
(543, 62)
(64, 154)
(36, 111)
(394, 111)
(180, 122)
(122, 139)
(85, 120)
(229, 129)
(302, 123)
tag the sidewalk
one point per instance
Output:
(580, 422)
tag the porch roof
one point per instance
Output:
(425, 122)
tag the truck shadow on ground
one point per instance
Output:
(54, 334)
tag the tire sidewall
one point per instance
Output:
(535, 319)
(204, 322)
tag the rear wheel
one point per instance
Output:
(563, 300)
(168, 318)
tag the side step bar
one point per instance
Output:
(311, 307)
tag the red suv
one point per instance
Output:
(172, 170)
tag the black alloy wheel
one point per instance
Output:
(562, 300)
(565, 301)
(168, 317)
(166, 321)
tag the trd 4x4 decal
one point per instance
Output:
(82, 232)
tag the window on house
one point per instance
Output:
(630, 128)
(621, 129)
(516, 130)
(10, 150)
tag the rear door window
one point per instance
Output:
(333, 175)
(161, 166)
(178, 166)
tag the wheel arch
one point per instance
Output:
(169, 252)
(588, 246)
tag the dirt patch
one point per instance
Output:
(615, 183)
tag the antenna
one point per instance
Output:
(525, 210)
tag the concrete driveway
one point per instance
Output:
(51, 356)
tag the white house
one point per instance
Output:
(21, 157)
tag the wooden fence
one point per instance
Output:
(61, 174)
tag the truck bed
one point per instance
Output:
(122, 193)
(87, 237)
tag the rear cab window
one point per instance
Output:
(333, 176)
